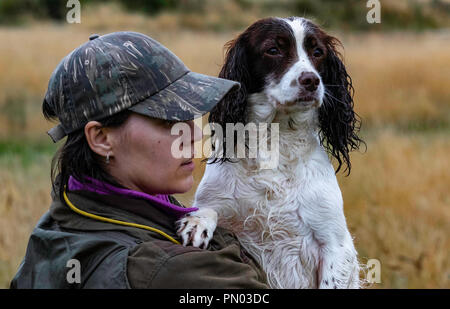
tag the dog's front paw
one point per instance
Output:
(197, 228)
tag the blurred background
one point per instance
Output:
(397, 200)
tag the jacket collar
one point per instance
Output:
(161, 201)
(119, 205)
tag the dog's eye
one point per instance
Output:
(273, 51)
(318, 52)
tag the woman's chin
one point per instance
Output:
(185, 185)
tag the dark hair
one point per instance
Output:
(75, 158)
(339, 123)
(233, 107)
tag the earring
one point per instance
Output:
(107, 157)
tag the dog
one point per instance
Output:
(289, 218)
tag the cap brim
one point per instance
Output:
(189, 97)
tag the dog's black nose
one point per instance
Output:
(309, 80)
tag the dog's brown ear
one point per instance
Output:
(339, 124)
(233, 107)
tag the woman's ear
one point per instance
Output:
(98, 138)
(338, 122)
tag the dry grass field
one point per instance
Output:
(397, 199)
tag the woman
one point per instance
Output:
(112, 220)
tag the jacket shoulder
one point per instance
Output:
(161, 264)
(61, 258)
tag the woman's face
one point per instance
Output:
(141, 156)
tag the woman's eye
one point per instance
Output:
(170, 123)
(318, 52)
(273, 51)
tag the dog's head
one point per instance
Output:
(295, 66)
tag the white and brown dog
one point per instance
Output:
(290, 218)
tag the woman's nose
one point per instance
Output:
(196, 131)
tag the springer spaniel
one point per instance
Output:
(289, 218)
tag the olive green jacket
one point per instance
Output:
(111, 255)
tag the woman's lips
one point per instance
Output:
(189, 165)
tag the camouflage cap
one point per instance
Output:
(128, 70)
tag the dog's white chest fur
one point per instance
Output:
(289, 218)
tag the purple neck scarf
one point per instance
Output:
(160, 200)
